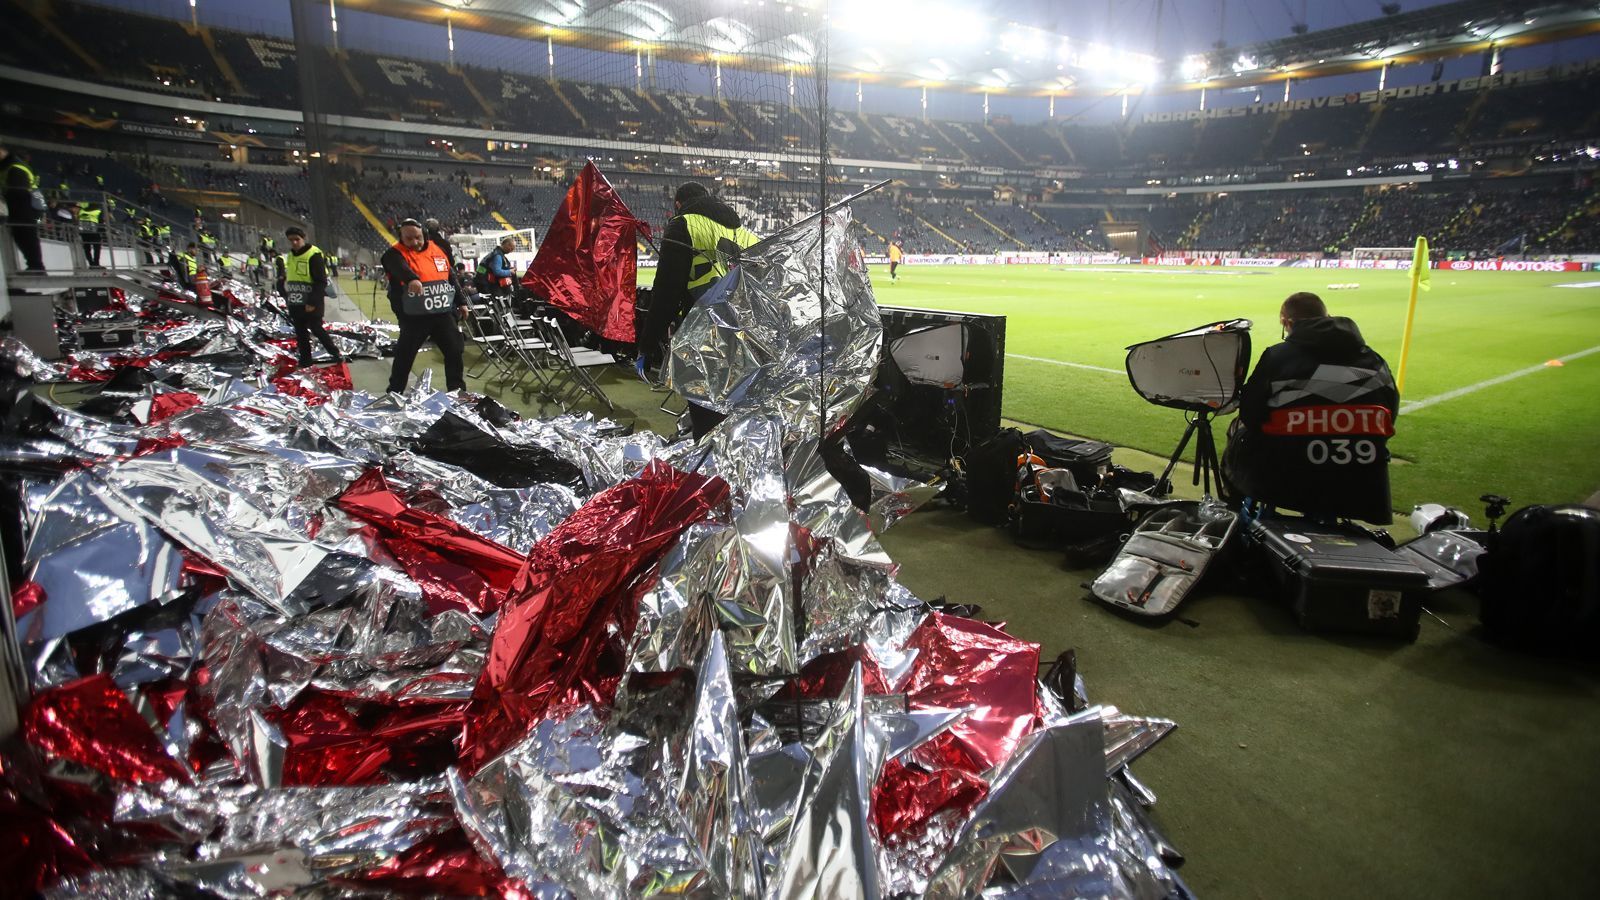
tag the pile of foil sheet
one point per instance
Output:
(184, 342)
(278, 643)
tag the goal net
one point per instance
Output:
(474, 245)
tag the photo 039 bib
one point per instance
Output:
(436, 297)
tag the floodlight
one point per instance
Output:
(1142, 69)
(1244, 63)
(1097, 57)
(1194, 67)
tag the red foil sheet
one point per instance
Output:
(562, 610)
(313, 383)
(332, 741)
(967, 663)
(824, 678)
(91, 722)
(165, 406)
(445, 585)
(444, 865)
(586, 263)
(25, 597)
(147, 446)
(371, 500)
(908, 795)
(37, 852)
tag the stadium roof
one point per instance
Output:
(956, 44)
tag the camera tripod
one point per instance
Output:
(1207, 465)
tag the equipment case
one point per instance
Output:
(1338, 578)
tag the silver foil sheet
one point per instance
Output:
(793, 330)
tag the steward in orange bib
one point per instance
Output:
(422, 291)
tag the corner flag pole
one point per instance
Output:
(1419, 280)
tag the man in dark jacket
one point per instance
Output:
(303, 282)
(1314, 420)
(696, 249)
(495, 275)
(426, 303)
(436, 235)
(24, 207)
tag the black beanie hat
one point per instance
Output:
(690, 190)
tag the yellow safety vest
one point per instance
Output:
(297, 272)
(33, 180)
(90, 215)
(713, 245)
(189, 263)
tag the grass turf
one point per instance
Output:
(1531, 438)
(1304, 765)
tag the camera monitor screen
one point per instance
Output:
(1201, 369)
(934, 355)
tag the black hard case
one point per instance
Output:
(1338, 578)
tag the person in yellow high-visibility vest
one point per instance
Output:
(895, 256)
(303, 281)
(91, 226)
(696, 248)
(24, 206)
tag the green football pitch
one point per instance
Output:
(1488, 416)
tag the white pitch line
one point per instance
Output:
(1473, 388)
(1072, 365)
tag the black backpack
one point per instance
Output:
(1540, 580)
(992, 477)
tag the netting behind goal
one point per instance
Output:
(720, 92)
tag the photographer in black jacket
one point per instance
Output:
(1314, 420)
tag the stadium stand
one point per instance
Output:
(932, 215)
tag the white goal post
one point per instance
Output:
(472, 246)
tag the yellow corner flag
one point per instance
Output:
(1419, 264)
(1419, 281)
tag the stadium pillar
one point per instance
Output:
(333, 24)
(550, 55)
(924, 103)
(1286, 83)
(1052, 106)
(194, 16)
(313, 72)
(1383, 75)
(1202, 99)
(985, 107)
(638, 69)
(1494, 60)
(858, 96)
(450, 40)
